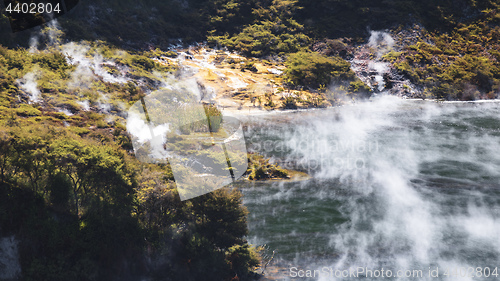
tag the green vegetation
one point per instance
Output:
(462, 64)
(290, 103)
(273, 30)
(313, 69)
(161, 22)
(459, 36)
(81, 207)
(350, 18)
(259, 168)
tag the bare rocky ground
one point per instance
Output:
(374, 70)
(234, 82)
(248, 86)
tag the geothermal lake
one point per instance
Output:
(399, 185)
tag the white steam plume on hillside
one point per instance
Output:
(29, 85)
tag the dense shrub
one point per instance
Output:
(259, 168)
(272, 31)
(82, 208)
(461, 64)
(313, 69)
(260, 40)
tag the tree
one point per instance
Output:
(221, 218)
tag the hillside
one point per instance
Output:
(435, 37)
(77, 202)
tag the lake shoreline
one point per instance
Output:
(257, 111)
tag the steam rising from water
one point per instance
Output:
(425, 194)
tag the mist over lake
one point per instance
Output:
(426, 196)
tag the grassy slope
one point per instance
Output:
(279, 27)
(91, 205)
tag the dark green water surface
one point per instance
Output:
(398, 185)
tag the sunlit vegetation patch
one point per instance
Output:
(259, 168)
(60, 84)
(318, 72)
(313, 69)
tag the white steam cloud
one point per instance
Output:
(28, 84)
(412, 229)
(381, 41)
(371, 70)
(88, 67)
